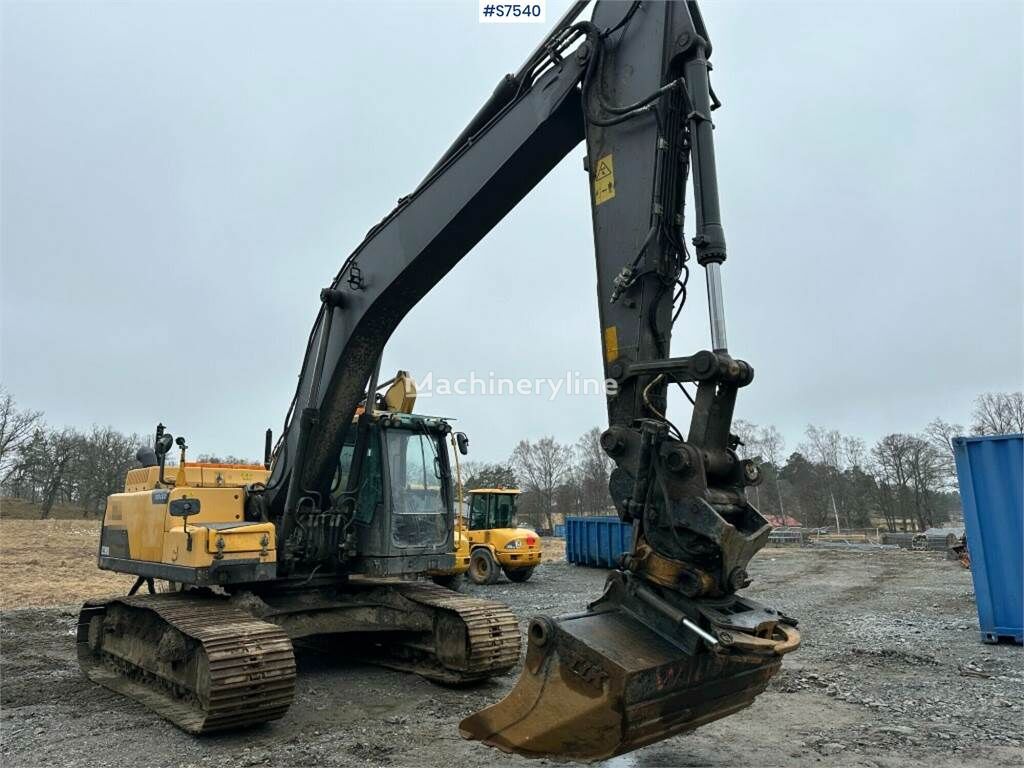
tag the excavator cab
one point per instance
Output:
(404, 516)
(400, 489)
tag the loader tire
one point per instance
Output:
(483, 568)
(453, 581)
(519, 575)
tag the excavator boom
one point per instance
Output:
(670, 645)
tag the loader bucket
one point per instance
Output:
(600, 684)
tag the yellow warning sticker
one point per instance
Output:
(611, 343)
(604, 181)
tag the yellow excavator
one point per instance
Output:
(217, 653)
(355, 502)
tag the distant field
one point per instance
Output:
(52, 562)
(17, 509)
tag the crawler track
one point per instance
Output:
(196, 661)
(473, 638)
(205, 664)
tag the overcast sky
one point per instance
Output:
(179, 180)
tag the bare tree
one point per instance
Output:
(16, 428)
(48, 466)
(99, 465)
(854, 452)
(476, 474)
(825, 447)
(892, 468)
(912, 478)
(773, 446)
(593, 469)
(940, 435)
(927, 475)
(43, 462)
(998, 413)
(541, 466)
(749, 434)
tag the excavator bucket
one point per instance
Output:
(599, 684)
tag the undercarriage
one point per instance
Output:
(208, 662)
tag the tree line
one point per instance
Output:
(903, 481)
(48, 466)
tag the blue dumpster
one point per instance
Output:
(596, 541)
(560, 530)
(991, 474)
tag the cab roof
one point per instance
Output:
(494, 490)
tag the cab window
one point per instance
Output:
(504, 511)
(370, 489)
(478, 512)
(420, 510)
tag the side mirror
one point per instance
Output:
(184, 507)
(463, 441)
(164, 444)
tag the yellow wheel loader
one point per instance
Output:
(359, 498)
(496, 543)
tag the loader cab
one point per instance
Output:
(404, 512)
(492, 508)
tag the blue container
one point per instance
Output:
(560, 530)
(991, 473)
(596, 541)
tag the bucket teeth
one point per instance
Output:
(603, 683)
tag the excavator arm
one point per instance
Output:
(529, 125)
(670, 645)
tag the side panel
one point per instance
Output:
(216, 546)
(133, 525)
(216, 505)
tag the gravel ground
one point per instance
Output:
(891, 673)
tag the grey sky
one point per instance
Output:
(180, 180)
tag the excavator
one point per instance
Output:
(321, 546)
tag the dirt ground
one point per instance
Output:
(891, 673)
(52, 562)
